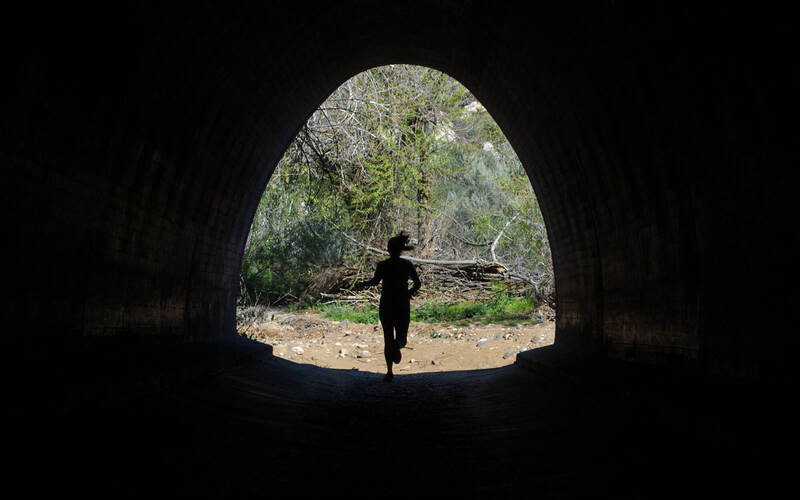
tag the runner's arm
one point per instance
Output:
(373, 282)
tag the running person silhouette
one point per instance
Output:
(395, 305)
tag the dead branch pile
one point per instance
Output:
(447, 281)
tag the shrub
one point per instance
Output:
(357, 314)
(503, 308)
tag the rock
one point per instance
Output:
(363, 354)
(481, 342)
(433, 361)
(297, 350)
(342, 353)
(509, 354)
(498, 336)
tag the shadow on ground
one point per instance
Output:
(507, 432)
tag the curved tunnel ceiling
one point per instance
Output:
(135, 150)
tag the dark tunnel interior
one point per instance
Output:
(660, 141)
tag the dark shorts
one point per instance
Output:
(394, 321)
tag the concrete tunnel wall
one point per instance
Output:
(136, 144)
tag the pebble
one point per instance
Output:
(481, 342)
(297, 350)
(509, 354)
(363, 354)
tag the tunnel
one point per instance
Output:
(659, 139)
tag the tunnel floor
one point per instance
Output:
(272, 424)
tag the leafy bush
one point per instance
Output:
(395, 147)
(439, 312)
(284, 252)
(356, 314)
(503, 308)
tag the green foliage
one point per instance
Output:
(502, 309)
(395, 147)
(284, 250)
(356, 314)
(441, 312)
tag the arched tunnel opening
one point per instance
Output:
(398, 148)
(134, 153)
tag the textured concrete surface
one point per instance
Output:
(136, 140)
(274, 427)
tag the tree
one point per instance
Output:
(395, 147)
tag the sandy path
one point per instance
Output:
(310, 338)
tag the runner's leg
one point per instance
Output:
(401, 327)
(388, 345)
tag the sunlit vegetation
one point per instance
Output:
(398, 147)
(502, 309)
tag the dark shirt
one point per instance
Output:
(395, 273)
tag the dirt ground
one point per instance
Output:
(308, 337)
